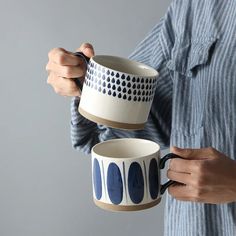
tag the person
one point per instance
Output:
(194, 111)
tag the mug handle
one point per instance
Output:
(86, 61)
(162, 166)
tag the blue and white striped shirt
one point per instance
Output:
(194, 49)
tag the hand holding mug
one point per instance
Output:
(64, 69)
(117, 92)
(206, 174)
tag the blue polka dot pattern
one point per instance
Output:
(119, 84)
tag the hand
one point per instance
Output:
(63, 67)
(204, 175)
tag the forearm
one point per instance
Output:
(84, 133)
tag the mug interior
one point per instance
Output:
(126, 148)
(125, 65)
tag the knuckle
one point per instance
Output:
(61, 57)
(86, 45)
(68, 71)
(200, 166)
(47, 67)
(50, 79)
(199, 181)
(58, 50)
(52, 51)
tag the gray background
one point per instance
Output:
(45, 186)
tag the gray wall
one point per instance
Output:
(45, 186)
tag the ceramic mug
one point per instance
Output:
(117, 92)
(126, 174)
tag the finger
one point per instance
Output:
(62, 57)
(202, 153)
(62, 86)
(180, 165)
(179, 191)
(184, 193)
(73, 88)
(65, 71)
(186, 166)
(58, 83)
(87, 49)
(189, 199)
(51, 78)
(182, 178)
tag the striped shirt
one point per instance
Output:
(194, 49)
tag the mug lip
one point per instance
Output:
(93, 151)
(154, 71)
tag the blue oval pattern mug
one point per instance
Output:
(126, 174)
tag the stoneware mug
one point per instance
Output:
(117, 92)
(126, 174)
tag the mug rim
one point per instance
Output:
(154, 72)
(137, 140)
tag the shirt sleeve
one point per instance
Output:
(154, 50)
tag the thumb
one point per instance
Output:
(86, 49)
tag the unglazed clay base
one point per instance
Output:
(110, 123)
(112, 207)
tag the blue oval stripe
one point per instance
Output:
(135, 183)
(153, 179)
(97, 179)
(114, 184)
